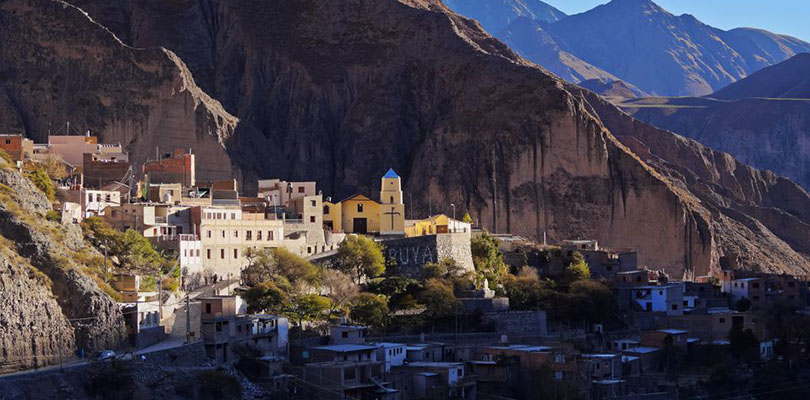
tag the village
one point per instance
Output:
(314, 297)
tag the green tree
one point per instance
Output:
(439, 298)
(742, 305)
(488, 259)
(577, 270)
(467, 218)
(593, 301)
(307, 307)
(360, 256)
(265, 297)
(42, 181)
(290, 272)
(369, 309)
(400, 290)
(136, 252)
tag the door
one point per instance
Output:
(360, 225)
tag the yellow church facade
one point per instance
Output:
(362, 215)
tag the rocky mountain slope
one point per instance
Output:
(789, 79)
(494, 15)
(49, 306)
(762, 120)
(650, 48)
(339, 92)
(529, 38)
(59, 66)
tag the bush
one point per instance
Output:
(170, 284)
(439, 298)
(53, 216)
(42, 181)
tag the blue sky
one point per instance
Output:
(779, 16)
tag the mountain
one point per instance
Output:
(664, 54)
(529, 38)
(763, 120)
(613, 89)
(787, 80)
(494, 15)
(642, 44)
(323, 91)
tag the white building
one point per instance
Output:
(667, 298)
(392, 354)
(279, 193)
(740, 288)
(95, 201)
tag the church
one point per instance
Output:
(362, 215)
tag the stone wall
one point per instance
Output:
(407, 256)
(520, 323)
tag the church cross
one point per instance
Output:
(392, 213)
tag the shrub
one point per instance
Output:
(170, 283)
(42, 181)
(53, 216)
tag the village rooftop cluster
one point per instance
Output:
(212, 227)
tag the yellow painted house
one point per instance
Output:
(360, 214)
(435, 224)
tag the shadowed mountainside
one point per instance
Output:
(338, 92)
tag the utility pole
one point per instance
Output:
(188, 319)
(454, 216)
(106, 270)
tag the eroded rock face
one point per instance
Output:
(41, 263)
(33, 330)
(59, 66)
(339, 91)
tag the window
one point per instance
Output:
(222, 253)
(674, 307)
(185, 252)
(236, 233)
(114, 212)
(359, 207)
(219, 327)
(98, 196)
(309, 249)
(107, 197)
(208, 308)
(558, 375)
(248, 235)
(208, 253)
(755, 285)
(269, 235)
(559, 358)
(198, 252)
(258, 235)
(209, 234)
(722, 320)
(313, 203)
(326, 209)
(686, 303)
(235, 254)
(312, 218)
(8, 141)
(344, 334)
(300, 189)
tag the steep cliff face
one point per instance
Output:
(772, 134)
(59, 66)
(760, 220)
(67, 310)
(340, 91)
(33, 330)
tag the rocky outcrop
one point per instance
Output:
(59, 66)
(33, 330)
(338, 92)
(77, 313)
